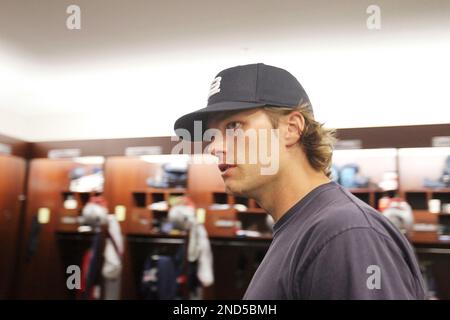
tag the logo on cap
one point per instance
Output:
(215, 86)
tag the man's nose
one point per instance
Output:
(217, 148)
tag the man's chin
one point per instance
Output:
(233, 189)
(229, 189)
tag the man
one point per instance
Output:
(327, 244)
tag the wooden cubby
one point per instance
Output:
(418, 198)
(221, 223)
(253, 218)
(221, 197)
(142, 217)
(372, 196)
(441, 194)
(82, 198)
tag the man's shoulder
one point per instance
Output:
(347, 214)
(345, 226)
(338, 214)
(348, 211)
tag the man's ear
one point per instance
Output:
(295, 125)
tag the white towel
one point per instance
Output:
(200, 249)
(112, 265)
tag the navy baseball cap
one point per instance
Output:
(246, 87)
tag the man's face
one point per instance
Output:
(246, 148)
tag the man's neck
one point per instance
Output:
(289, 189)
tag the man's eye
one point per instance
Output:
(233, 125)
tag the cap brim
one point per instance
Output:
(186, 122)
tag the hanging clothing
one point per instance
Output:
(112, 255)
(102, 263)
(159, 279)
(90, 268)
(199, 249)
(113, 252)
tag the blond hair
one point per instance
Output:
(316, 141)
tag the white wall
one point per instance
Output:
(131, 81)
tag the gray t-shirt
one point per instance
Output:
(331, 245)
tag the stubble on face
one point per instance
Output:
(245, 179)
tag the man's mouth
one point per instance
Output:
(223, 167)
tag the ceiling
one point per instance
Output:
(135, 66)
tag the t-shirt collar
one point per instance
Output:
(300, 205)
